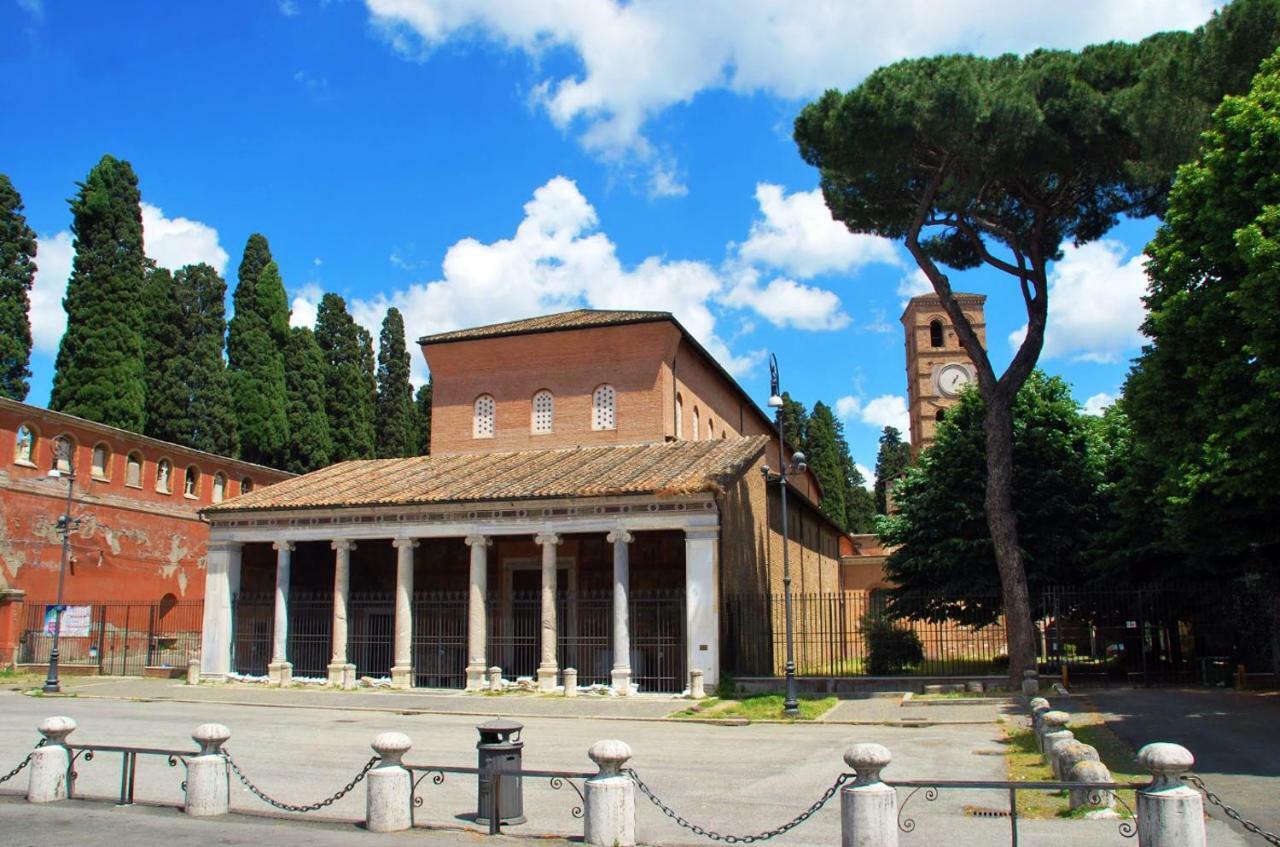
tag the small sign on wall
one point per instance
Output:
(76, 620)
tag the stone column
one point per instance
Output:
(388, 803)
(339, 670)
(402, 666)
(610, 799)
(207, 784)
(280, 671)
(477, 611)
(51, 764)
(702, 603)
(868, 807)
(1170, 813)
(620, 677)
(221, 583)
(548, 668)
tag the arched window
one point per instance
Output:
(541, 417)
(935, 333)
(133, 470)
(940, 415)
(24, 446)
(711, 428)
(679, 417)
(482, 417)
(63, 449)
(101, 466)
(694, 428)
(246, 485)
(603, 413)
(219, 487)
(164, 476)
(191, 485)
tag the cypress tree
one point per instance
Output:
(255, 352)
(348, 355)
(203, 294)
(422, 402)
(99, 369)
(395, 414)
(859, 503)
(164, 348)
(824, 460)
(892, 461)
(17, 272)
(310, 445)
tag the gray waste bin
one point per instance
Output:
(500, 748)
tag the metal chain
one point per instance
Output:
(11, 774)
(741, 839)
(1269, 837)
(313, 807)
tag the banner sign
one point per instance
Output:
(76, 620)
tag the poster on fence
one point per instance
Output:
(75, 620)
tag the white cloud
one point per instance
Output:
(305, 303)
(913, 285)
(868, 476)
(174, 242)
(882, 411)
(798, 236)
(848, 407)
(53, 266)
(35, 8)
(636, 59)
(1098, 403)
(787, 303)
(1095, 304)
(288, 8)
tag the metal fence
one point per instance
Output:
(440, 639)
(116, 638)
(371, 631)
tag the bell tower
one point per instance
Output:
(938, 368)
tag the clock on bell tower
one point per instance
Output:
(938, 368)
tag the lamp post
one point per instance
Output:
(65, 525)
(796, 467)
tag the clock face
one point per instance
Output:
(952, 379)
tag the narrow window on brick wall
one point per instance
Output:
(246, 485)
(543, 406)
(63, 448)
(694, 428)
(101, 462)
(133, 471)
(603, 413)
(24, 446)
(679, 417)
(219, 487)
(191, 485)
(711, 429)
(935, 333)
(164, 476)
(482, 417)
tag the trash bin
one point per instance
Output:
(499, 749)
(1215, 671)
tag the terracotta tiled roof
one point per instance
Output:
(577, 319)
(671, 468)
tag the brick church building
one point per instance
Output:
(594, 492)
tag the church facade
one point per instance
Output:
(595, 490)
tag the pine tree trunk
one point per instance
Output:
(1002, 521)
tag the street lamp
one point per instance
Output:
(65, 524)
(796, 467)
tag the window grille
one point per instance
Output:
(603, 413)
(482, 420)
(543, 405)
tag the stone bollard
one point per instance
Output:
(1068, 754)
(868, 807)
(1052, 723)
(1090, 771)
(1039, 706)
(1030, 682)
(193, 671)
(697, 690)
(1170, 813)
(51, 764)
(208, 792)
(610, 819)
(388, 806)
(571, 682)
(495, 678)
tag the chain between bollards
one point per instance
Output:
(741, 839)
(312, 807)
(1269, 837)
(11, 774)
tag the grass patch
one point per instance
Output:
(756, 707)
(1023, 764)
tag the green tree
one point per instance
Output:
(258, 334)
(99, 372)
(825, 461)
(203, 294)
(17, 273)
(310, 444)
(892, 461)
(422, 418)
(945, 565)
(795, 423)
(164, 353)
(348, 376)
(396, 415)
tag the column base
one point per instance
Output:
(401, 676)
(476, 677)
(620, 681)
(280, 673)
(213, 677)
(547, 679)
(342, 675)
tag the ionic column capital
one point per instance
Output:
(342, 544)
(284, 545)
(545, 538)
(478, 541)
(400, 543)
(620, 534)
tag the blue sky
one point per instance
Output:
(472, 161)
